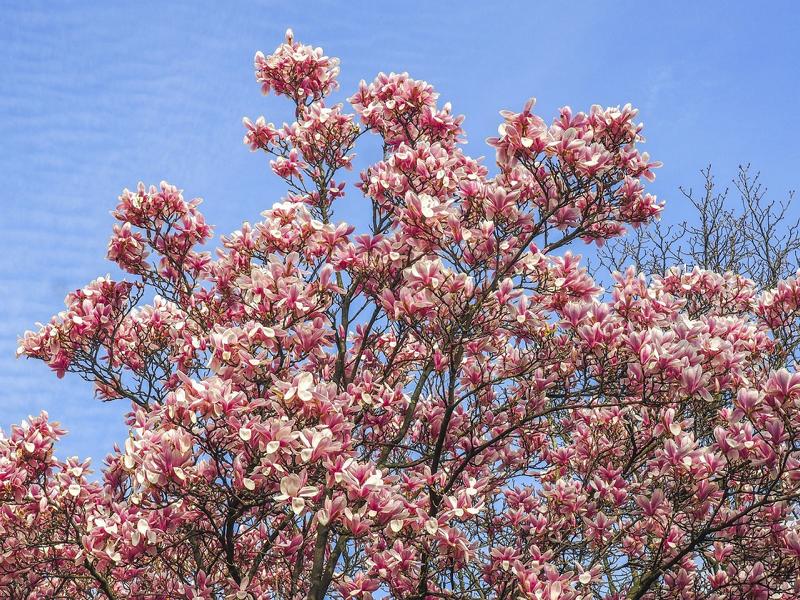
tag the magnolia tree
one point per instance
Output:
(444, 405)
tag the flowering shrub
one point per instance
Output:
(445, 405)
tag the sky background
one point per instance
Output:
(97, 96)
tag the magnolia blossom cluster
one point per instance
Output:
(159, 220)
(92, 313)
(297, 71)
(403, 110)
(591, 157)
(443, 405)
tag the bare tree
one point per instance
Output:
(752, 235)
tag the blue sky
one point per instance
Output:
(95, 97)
